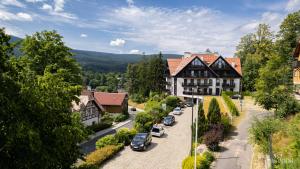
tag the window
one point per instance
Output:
(192, 81)
(205, 73)
(192, 73)
(198, 81)
(196, 62)
(185, 81)
(210, 81)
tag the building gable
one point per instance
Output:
(196, 68)
(224, 69)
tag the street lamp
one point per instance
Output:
(196, 136)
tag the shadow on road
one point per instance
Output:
(222, 149)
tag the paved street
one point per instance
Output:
(236, 153)
(164, 153)
(90, 146)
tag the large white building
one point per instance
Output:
(203, 74)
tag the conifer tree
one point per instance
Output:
(214, 115)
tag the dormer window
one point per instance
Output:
(196, 62)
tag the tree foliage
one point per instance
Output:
(213, 137)
(146, 76)
(214, 114)
(38, 129)
(143, 122)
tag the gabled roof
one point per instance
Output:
(176, 65)
(109, 99)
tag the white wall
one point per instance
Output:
(89, 122)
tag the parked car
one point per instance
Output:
(182, 105)
(169, 120)
(141, 141)
(177, 111)
(189, 104)
(133, 109)
(157, 131)
(236, 96)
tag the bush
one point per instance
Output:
(98, 127)
(225, 121)
(125, 135)
(202, 162)
(214, 136)
(100, 155)
(87, 166)
(229, 93)
(138, 98)
(232, 108)
(209, 156)
(172, 101)
(214, 114)
(106, 140)
(107, 118)
(289, 107)
(143, 122)
(121, 117)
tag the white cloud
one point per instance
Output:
(293, 5)
(34, 1)
(6, 16)
(130, 2)
(83, 35)
(57, 10)
(117, 42)
(134, 51)
(12, 3)
(24, 16)
(59, 5)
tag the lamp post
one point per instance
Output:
(196, 136)
(192, 121)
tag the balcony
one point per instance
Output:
(196, 84)
(228, 85)
(195, 93)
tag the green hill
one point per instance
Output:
(100, 61)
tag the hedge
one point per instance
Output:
(100, 126)
(232, 108)
(121, 117)
(203, 161)
(100, 155)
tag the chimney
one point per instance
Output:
(187, 54)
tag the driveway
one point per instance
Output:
(236, 153)
(164, 153)
(90, 145)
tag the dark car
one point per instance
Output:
(236, 96)
(141, 141)
(133, 109)
(169, 120)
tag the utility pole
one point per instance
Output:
(192, 121)
(196, 136)
(271, 151)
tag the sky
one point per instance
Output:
(145, 26)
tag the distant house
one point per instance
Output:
(203, 74)
(89, 110)
(93, 104)
(112, 102)
(296, 68)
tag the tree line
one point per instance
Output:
(267, 64)
(146, 76)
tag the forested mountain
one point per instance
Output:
(103, 62)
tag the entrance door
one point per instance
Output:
(217, 91)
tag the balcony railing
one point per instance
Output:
(196, 93)
(228, 85)
(197, 84)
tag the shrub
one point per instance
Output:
(98, 127)
(87, 166)
(288, 107)
(214, 136)
(214, 115)
(225, 121)
(107, 118)
(201, 162)
(229, 93)
(172, 101)
(125, 135)
(138, 98)
(143, 122)
(106, 140)
(100, 155)
(121, 117)
(232, 108)
(209, 156)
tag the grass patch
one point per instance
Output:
(258, 159)
(136, 105)
(207, 100)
